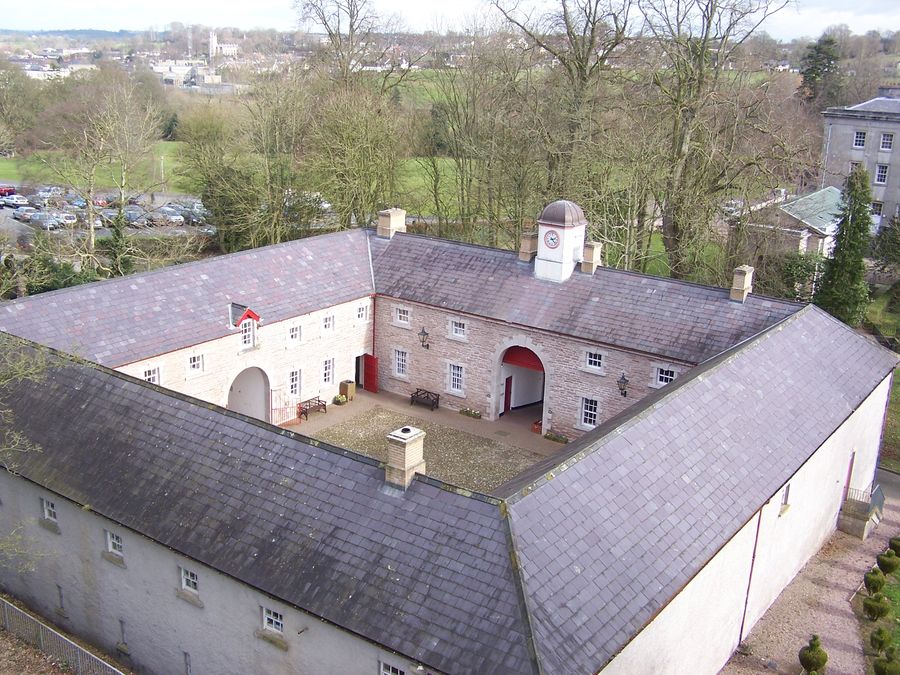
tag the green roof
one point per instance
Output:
(818, 210)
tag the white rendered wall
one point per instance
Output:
(160, 626)
(527, 384)
(699, 629)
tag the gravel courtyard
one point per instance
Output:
(455, 456)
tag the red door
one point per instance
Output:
(370, 373)
(507, 395)
(849, 475)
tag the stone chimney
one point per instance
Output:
(591, 259)
(528, 246)
(742, 285)
(405, 456)
(391, 221)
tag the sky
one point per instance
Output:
(802, 18)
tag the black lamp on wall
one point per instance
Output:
(423, 338)
(623, 385)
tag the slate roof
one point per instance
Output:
(818, 210)
(122, 320)
(879, 105)
(673, 319)
(679, 473)
(426, 573)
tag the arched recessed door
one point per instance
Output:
(249, 394)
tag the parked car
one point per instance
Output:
(15, 201)
(7, 190)
(23, 213)
(166, 216)
(45, 221)
(66, 218)
(78, 202)
(208, 230)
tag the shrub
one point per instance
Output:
(553, 436)
(876, 607)
(812, 656)
(880, 639)
(874, 580)
(895, 545)
(470, 412)
(888, 561)
(340, 399)
(889, 665)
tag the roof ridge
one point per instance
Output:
(519, 583)
(184, 265)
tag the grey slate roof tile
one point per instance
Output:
(707, 501)
(208, 483)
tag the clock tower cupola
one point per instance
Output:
(560, 244)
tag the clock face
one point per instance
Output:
(551, 238)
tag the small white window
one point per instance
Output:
(401, 363)
(589, 412)
(457, 378)
(328, 371)
(877, 208)
(401, 316)
(785, 499)
(881, 174)
(114, 544)
(195, 364)
(362, 313)
(457, 329)
(294, 382)
(859, 139)
(328, 322)
(887, 141)
(248, 333)
(664, 375)
(189, 581)
(273, 620)
(594, 360)
(48, 509)
(294, 334)
(388, 669)
(152, 375)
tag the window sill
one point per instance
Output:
(784, 509)
(458, 338)
(402, 378)
(61, 612)
(585, 427)
(593, 371)
(115, 559)
(49, 525)
(272, 638)
(456, 394)
(122, 648)
(405, 326)
(189, 597)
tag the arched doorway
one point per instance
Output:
(522, 383)
(249, 394)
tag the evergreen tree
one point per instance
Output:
(821, 78)
(843, 291)
(887, 243)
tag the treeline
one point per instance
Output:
(640, 112)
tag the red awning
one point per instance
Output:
(524, 358)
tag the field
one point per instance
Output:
(158, 174)
(884, 316)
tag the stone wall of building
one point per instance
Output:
(279, 350)
(479, 351)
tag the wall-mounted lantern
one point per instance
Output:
(623, 385)
(423, 338)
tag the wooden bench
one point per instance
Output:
(304, 407)
(425, 397)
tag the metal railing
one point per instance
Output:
(284, 407)
(866, 502)
(62, 650)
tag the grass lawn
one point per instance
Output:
(163, 164)
(887, 320)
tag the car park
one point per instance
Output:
(165, 215)
(15, 201)
(23, 213)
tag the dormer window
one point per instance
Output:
(248, 333)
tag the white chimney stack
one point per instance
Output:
(391, 221)
(742, 284)
(590, 260)
(405, 456)
(528, 246)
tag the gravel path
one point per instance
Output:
(818, 601)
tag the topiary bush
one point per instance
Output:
(888, 561)
(876, 607)
(812, 657)
(889, 665)
(880, 639)
(874, 580)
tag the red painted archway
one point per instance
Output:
(524, 358)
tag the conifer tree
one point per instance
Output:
(843, 291)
